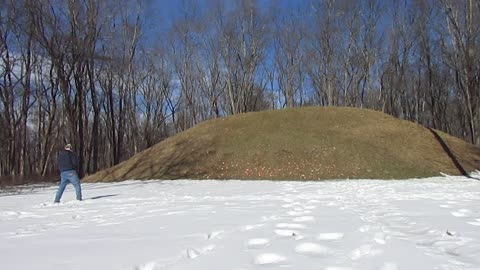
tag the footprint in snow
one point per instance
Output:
(268, 259)
(207, 249)
(140, 217)
(329, 236)
(146, 266)
(304, 219)
(213, 235)
(290, 226)
(193, 253)
(381, 238)
(102, 223)
(462, 213)
(289, 233)
(174, 213)
(286, 233)
(156, 210)
(230, 204)
(298, 213)
(389, 266)
(365, 228)
(312, 249)
(270, 218)
(21, 235)
(257, 242)
(364, 251)
(251, 227)
(476, 223)
(9, 215)
(288, 205)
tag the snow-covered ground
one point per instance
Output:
(336, 225)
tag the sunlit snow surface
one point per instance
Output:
(429, 223)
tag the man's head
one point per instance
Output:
(68, 147)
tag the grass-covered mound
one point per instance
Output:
(300, 143)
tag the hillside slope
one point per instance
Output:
(301, 143)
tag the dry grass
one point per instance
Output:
(301, 143)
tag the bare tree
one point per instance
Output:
(8, 84)
(152, 98)
(322, 53)
(288, 43)
(461, 52)
(243, 41)
(184, 42)
(90, 72)
(396, 97)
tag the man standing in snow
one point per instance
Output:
(68, 164)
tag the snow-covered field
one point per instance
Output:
(336, 225)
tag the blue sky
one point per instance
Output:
(162, 12)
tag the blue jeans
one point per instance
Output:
(66, 177)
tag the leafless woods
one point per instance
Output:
(115, 77)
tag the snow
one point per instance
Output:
(330, 236)
(431, 223)
(312, 249)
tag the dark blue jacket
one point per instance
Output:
(67, 161)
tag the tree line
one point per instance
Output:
(113, 78)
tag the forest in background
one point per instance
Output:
(112, 79)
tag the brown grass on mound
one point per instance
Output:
(301, 143)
